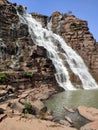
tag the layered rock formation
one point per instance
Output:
(25, 66)
(2, 2)
(76, 33)
(22, 62)
(19, 55)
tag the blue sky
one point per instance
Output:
(83, 9)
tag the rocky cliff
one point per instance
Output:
(77, 35)
(22, 63)
(26, 66)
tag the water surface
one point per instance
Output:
(71, 99)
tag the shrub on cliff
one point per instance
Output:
(27, 74)
(3, 78)
(28, 109)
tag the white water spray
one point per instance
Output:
(60, 53)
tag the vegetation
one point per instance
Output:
(75, 26)
(28, 109)
(3, 78)
(27, 74)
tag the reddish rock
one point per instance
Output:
(40, 18)
(90, 126)
(23, 124)
(3, 2)
(20, 54)
(89, 113)
(76, 33)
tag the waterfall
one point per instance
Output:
(60, 53)
(3, 48)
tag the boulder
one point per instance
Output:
(89, 113)
(15, 105)
(75, 118)
(38, 105)
(16, 124)
(90, 126)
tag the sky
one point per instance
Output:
(83, 9)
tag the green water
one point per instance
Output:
(71, 99)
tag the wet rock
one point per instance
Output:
(23, 30)
(64, 122)
(40, 18)
(38, 52)
(45, 116)
(20, 9)
(75, 118)
(68, 119)
(77, 35)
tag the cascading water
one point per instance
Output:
(2, 49)
(59, 52)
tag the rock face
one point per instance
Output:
(24, 64)
(41, 18)
(76, 33)
(2, 2)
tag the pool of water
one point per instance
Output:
(71, 99)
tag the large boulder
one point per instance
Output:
(89, 113)
(90, 126)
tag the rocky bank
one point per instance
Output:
(27, 74)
